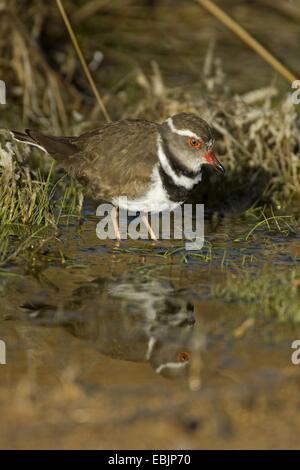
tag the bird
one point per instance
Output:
(136, 165)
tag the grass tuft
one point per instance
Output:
(29, 203)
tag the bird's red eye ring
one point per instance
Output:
(194, 143)
(183, 356)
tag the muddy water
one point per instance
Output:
(123, 347)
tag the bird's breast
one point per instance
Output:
(155, 199)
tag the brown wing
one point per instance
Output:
(114, 160)
(117, 159)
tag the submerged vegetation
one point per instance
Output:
(266, 294)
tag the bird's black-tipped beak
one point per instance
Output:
(212, 160)
(219, 167)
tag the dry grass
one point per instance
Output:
(29, 204)
(34, 84)
(26, 195)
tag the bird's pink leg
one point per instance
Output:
(144, 219)
(114, 218)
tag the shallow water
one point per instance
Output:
(116, 340)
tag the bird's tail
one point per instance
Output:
(25, 138)
(59, 147)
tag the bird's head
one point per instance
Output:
(188, 141)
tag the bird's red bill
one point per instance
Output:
(212, 160)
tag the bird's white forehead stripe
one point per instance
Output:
(185, 132)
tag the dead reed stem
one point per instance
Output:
(82, 59)
(247, 38)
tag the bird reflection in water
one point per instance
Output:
(129, 318)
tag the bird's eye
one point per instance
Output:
(194, 143)
(183, 356)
